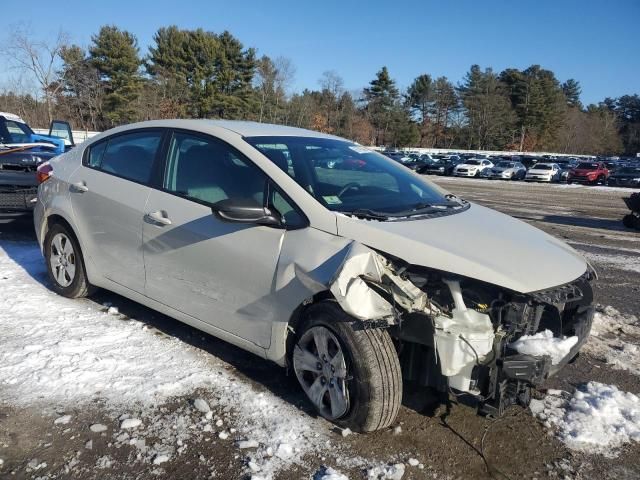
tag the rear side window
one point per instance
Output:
(128, 156)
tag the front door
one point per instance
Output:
(219, 272)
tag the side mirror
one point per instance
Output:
(246, 211)
(62, 129)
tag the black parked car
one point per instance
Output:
(21, 152)
(444, 166)
(628, 176)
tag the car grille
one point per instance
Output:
(17, 198)
(10, 167)
(462, 170)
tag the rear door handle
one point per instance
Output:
(158, 217)
(79, 187)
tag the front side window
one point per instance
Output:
(209, 171)
(15, 132)
(348, 178)
(129, 156)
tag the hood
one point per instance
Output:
(478, 243)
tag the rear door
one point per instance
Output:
(218, 272)
(108, 195)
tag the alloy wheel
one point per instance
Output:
(62, 260)
(319, 364)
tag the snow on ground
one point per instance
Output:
(629, 263)
(544, 343)
(615, 339)
(66, 354)
(597, 418)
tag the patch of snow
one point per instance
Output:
(284, 451)
(397, 430)
(161, 459)
(386, 472)
(63, 420)
(223, 435)
(544, 343)
(346, 432)
(113, 311)
(98, 428)
(329, 474)
(130, 423)
(201, 405)
(629, 263)
(89, 445)
(413, 462)
(57, 351)
(614, 339)
(598, 418)
(248, 444)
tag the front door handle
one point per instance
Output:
(158, 217)
(79, 187)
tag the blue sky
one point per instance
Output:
(595, 42)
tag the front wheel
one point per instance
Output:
(65, 264)
(352, 376)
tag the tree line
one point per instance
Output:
(202, 74)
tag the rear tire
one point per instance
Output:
(65, 263)
(372, 377)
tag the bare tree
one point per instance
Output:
(39, 58)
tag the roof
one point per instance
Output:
(257, 129)
(12, 116)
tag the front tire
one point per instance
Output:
(65, 263)
(352, 376)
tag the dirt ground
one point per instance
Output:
(455, 443)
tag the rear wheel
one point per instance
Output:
(352, 376)
(65, 264)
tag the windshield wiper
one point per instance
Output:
(368, 214)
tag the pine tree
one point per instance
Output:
(381, 97)
(488, 112)
(572, 90)
(114, 53)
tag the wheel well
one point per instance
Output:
(297, 318)
(58, 219)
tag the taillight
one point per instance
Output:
(43, 173)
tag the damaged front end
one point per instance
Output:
(458, 333)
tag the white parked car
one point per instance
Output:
(544, 172)
(354, 279)
(473, 167)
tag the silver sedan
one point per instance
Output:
(356, 276)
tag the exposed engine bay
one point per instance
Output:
(456, 334)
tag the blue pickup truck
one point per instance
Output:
(21, 152)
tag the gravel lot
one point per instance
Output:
(448, 443)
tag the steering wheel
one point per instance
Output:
(347, 187)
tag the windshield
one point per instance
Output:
(542, 166)
(348, 178)
(472, 162)
(587, 166)
(14, 132)
(506, 164)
